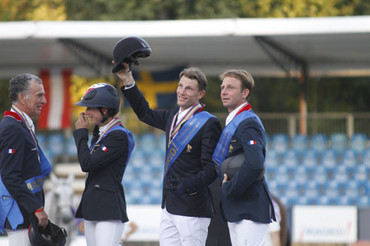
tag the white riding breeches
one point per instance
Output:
(177, 230)
(247, 233)
(103, 233)
(18, 237)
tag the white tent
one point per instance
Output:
(329, 46)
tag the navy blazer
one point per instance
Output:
(20, 166)
(193, 163)
(246, 196)
(103, 197)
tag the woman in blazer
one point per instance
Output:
(103, 205)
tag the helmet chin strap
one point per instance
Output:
(104, 116)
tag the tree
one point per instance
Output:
(149, 9)
(302, 8)
(21, 10)
(4, 98)
(16, 10)
(208, 9)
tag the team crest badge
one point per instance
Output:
(188, 148)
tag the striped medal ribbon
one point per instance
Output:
(188, 115)
(21, 114)
(113, 123)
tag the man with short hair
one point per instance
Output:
(23, 166)
(191, 136)
(245, 199)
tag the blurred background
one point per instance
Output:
(310, 61)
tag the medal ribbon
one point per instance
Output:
(112, 124)
(188, 115)
(21, 114)
(185, 135)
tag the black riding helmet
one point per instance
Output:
(52, 235)
(128, 50)
(100, 96)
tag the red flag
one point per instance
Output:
(56, 114)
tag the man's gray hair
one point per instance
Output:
(21, 84)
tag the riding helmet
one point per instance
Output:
(52, 235)
(128, 50)
(100, 95)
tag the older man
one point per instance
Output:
(23, 166)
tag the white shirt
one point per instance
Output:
(179, 117)
(102, 128)
(29, 121)
(232, 114)
(182, 114)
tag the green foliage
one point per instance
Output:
(148, 9)
(17, 10)
(22, 10)
(268, 95)
(302, 8)
(207, 9)
(275, 95)
(212, 98)
(339, 95)
(4, 99)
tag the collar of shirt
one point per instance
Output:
(182, 114)
(232, 114)
(29, 120)
(102, 128)
(178, 117)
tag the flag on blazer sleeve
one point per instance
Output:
(56, 113)
(159, 87)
